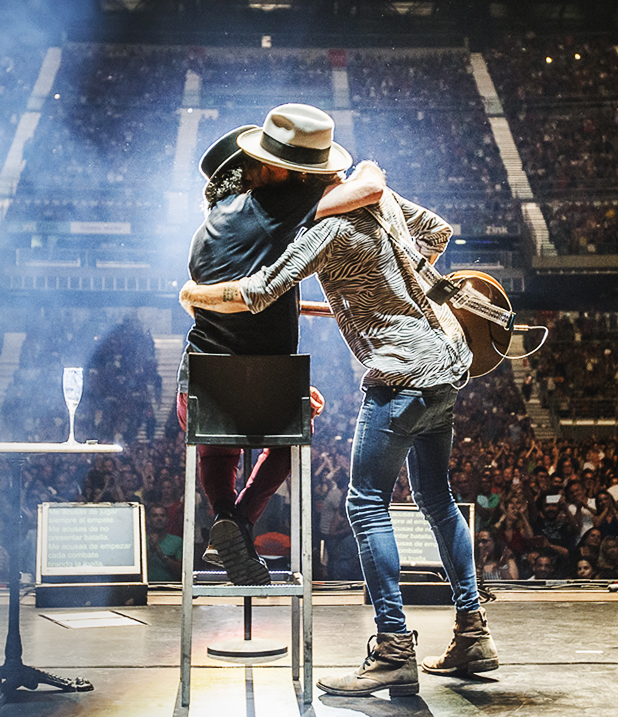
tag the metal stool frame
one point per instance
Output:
(253, 401)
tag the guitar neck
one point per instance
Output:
(464, 299)
(482, 307)
(315, 308)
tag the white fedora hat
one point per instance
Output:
(297, 137)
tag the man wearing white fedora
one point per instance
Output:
(416, 356)
(256, 206)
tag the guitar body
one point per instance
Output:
(483, 336)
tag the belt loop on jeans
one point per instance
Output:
(396, 389)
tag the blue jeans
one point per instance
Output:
(394, 425)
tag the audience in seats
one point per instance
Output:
(559, 95)
(576, 371)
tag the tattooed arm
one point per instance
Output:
(224, 297)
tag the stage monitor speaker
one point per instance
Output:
(91, 555)
(423, 579)
(415, 540)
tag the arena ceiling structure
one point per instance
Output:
(310, 22)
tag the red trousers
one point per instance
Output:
(218, 466)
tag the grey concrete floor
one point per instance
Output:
(559, 656)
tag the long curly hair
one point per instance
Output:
(230, 182)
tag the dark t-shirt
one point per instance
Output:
(241, 234)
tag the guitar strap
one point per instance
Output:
(441, 288)
(404, 263)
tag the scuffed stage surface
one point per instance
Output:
(558, 651)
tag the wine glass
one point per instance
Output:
(72, 386)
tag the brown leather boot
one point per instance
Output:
(390, 664)
(471, 650)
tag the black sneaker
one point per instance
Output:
(231, 538)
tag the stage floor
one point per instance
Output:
(558, 653)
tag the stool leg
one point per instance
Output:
(187, 575)
(305, 484)
(295, 638)
(247, 616)
(295, 556)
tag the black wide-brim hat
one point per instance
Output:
(224, 154)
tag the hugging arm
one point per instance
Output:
(301, 259)
(430, 232)
(364, 186)
(224, 297)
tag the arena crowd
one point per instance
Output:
(544, 509)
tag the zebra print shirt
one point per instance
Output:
(382, 323)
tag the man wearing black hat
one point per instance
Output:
(293, 182)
